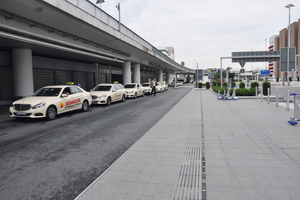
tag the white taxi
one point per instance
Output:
(107, 93)
(164, 86)
(133, 90)
(158, 87)
(147, 88)
(50, 101)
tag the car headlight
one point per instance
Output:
(12, 106)
(40, 105)
(102, 96)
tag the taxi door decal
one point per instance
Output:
(115, 96)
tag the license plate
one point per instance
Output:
(21, 113)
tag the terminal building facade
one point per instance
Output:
(51, 42)
(278, 41)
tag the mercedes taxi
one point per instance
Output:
(158, 87)
(134, 90)
(107, 93)
(164, 86)
(147, 88)
(50, 101)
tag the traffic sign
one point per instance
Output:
(265, 72)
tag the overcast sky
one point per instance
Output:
(203, 31)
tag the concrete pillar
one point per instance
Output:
(175, 79)
(137, 73)
(160, 75)
(126, 72)
(97, 78)
(23, 73)
(109, 79)
(168, 78)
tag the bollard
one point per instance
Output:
(268, 95)
(276, 97)
(256, 93)
(261, 93)
(294, 120)
(288, 100)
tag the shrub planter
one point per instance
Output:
(254, 84)
(207, 85)
(242, 85)
(266, 85)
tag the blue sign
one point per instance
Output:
(265, 72)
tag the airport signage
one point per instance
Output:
(287, 55)
(265, 72)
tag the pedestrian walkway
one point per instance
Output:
(204, 148)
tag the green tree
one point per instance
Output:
(217, 75)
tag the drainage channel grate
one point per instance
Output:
(190, 184)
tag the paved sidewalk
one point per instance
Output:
(204, 148)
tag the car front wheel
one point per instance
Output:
(123, 98)
(135, 95)
(108, 101)
(51, 113)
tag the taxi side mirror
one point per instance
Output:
(114, 90)
(64, 95)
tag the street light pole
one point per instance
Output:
(99, 2)
(289, 43)
(119, 8)
(252, 64)
(197, 77)
(266, 68)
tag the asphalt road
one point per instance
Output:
(58, 159)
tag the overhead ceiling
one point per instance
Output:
(51, 17)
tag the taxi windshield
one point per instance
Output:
(102, 88)
(129, 86)
(146, 84)
(48, 92)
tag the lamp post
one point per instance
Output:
(251, 62)
(266, 50)
(289, 43)
(99, 2)
(119, 8)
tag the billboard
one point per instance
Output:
(287, 55)
(198, 72)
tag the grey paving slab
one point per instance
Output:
(250, 152)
